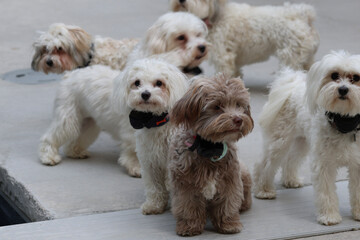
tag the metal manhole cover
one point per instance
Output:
(28, 76)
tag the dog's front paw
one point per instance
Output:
(131, 164)
(229, 227)
(149, 208)
(48, 156)
(50, 160)
(292, 183)
(78, 154)
(134, 171)
(329, 219)
(270, 194)
(189, 227)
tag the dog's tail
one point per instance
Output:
(302, 10)
(280, 91)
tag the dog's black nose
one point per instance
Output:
(182, 1)
(343, 90)
(145, 95)
(49, 62)
(238, 121)
(202, 48)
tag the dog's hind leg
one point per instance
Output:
(65, 127)
(128, 157)
(88, 134)
(298, 151)
(274, 153)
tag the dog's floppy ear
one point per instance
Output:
(189, 107)
(155, 40)
(82, 40)
(36, 58)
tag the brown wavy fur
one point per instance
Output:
(218, 110)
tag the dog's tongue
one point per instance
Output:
(207, 22)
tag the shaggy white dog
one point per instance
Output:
(184, 45)
(67, 47)
(148, 98)
(318, 112)
(243, 34)
(79, 105)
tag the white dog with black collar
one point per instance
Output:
(317, 112)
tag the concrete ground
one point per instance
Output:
(98, 184)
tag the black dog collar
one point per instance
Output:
(139, 120)
(343, 124)
(90, 54)
(207, 149)
(193, 71)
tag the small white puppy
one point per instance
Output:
(317, 112)
(242, 34)
(149, 95)
(67, 47)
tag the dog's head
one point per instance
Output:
(215, 108)
(179, 32)
(207, 10)
(333, 84)
(61, 48)
(149, 85)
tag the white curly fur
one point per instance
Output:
(67, 47)
(75, 101)
(152, 144)
(241, 34)
(162, 39)
(294, 124)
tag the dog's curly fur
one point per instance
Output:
(294, 124)
(75, 101)
(67, 47)
(163, 88)
(242, 34)
(184, 45)
(217, 109)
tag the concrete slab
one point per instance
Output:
(98, 184)
(291, 215)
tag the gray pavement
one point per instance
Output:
(98, 184)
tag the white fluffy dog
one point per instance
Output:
(66, 47)
(79, 103)
(243, 34)
(317, 112)
(184, 45)
(148, 98)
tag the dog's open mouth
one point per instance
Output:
(207, 22)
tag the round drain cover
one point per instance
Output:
(28, 76)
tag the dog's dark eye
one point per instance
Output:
(60, 48)
(356, 78)
(137, 83)
(335, 76)
(159, 83)
(217, 107)
(181, 37)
